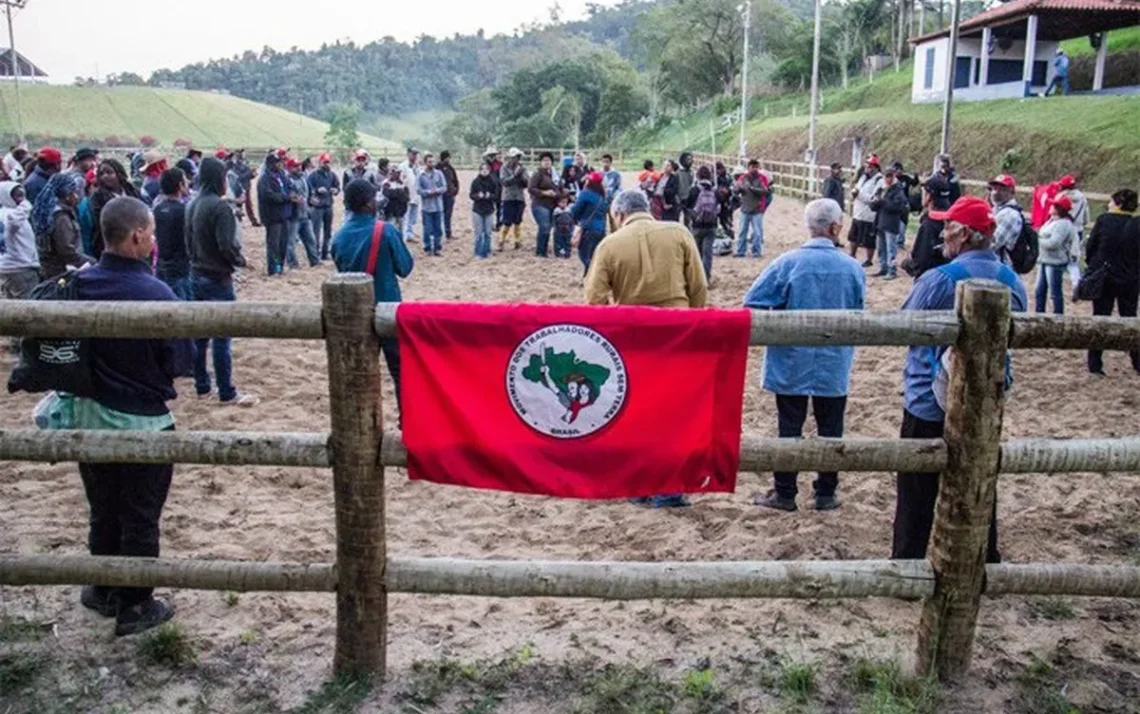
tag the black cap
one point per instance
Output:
(84, 153)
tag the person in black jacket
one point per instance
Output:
(833, 185)
(1115, 241)
(133, 379)
(666, 192)
(396, 198)
(926, 254)
(452, 191)
(275, 200)
(173, 266)
(890, 209)
(726, 196)
(215, 253)
(484, 192)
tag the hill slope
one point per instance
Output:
(1035, 139)
(120, 115)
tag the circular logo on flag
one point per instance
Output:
(566, 381)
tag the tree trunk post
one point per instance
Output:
(968, 488)
(358, 477)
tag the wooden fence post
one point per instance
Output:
(968, 488)
(358, 477)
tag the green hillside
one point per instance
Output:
(1036, 139)
(121, 115)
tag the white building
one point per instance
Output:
(13, 64)
(1021, 37)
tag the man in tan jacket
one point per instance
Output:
(646, 262)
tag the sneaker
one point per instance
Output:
(771, 499)
(826, 503)
(243, 399)
(890, 276)
(880, 274)
(99, 599)
(146, 615)
(867, 263)
(674, 501)
(1097, 373)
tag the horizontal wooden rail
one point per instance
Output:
(281, 320)
(608, 580)
(303, 321)
(757, 454)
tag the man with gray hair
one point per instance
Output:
(815, 276)
(646, 262)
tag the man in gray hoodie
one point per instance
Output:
(214, 246)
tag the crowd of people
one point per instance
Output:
(151, 231)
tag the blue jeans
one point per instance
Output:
(1058, 81)
(542, 217)
(448, 208)
(755, 223)
(484, 225)
(322, 218)
(887, 245)
(704, 238)
(207, 289)
(433, 231)
(180, 285)
(586, 248)
(1051, 279)
(562, 243)
(410, 219)
(302, 228)
(276, 240)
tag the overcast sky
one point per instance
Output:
(69, 38)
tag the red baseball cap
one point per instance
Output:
(1063, 203)
(324, 158)
(362, 154)
(970, 211)
(873, 160)
(291, 163)
(50, 154)
(1003, 180)
(223, 154)
(594, 177)
(1067, 181)
(282, 152)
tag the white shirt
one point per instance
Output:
(868, 187)
(410, 176)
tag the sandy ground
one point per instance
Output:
(275, 648)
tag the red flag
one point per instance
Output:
(576, 402)
(1042, 201)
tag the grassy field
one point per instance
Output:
(125, 114)
(418, 127)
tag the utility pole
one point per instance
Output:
(812, 150)
(951, 67)
(19, 5)
(746, 8)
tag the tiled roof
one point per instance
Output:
(1018, 9)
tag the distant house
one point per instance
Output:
(22, 64)
(1008, 51)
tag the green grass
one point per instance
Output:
(128, 113)
(1040, 692)
(409, 128)
(883, 688)
(1124, 40)
(1053, 608)
(797, 681)
(167, 645)
(342, 695)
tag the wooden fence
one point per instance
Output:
(969, 458)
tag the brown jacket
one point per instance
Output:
(647, 262)
(542, 180)
(63, 243)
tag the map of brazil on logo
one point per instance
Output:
(566, 381)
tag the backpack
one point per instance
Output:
(706, 210)
(1023, 255)
(46, 364)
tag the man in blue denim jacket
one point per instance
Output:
(815, 276)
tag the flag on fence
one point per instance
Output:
(576, 402)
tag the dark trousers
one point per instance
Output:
(276, 238)
(1125, 298)
(562, 243)
(249, 206)
(791, 413)
(391, 350)
(586, 247)
(322, 218)
(126, 503)
(448, 209)
(917, 495)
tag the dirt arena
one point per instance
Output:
(268, 652)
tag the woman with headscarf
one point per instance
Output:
(111, 182)
(61, 243)
(589, 213)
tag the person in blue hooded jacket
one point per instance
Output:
(352, 246)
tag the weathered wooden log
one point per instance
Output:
(1076, 332)
(257, 448)
(37, 318)
(164, 572)
(1063, 579)
(358, 478)
(968, 487)
(677, 580)
(1049, 456)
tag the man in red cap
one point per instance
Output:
(49, 161)
(1007, 215)
(967, 242)
(1080, 215)
(323, 186)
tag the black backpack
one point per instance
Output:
(1023, 255)
(46, 364)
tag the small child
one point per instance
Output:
(563, 221)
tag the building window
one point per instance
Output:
(928, 81)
